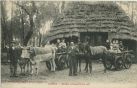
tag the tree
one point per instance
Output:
(38, 13)
(4, 26)
(27, 19)
(31, 11)
(6, 30)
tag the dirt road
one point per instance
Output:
(123, 76)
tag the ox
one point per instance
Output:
(42, 54)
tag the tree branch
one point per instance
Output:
(22, 7)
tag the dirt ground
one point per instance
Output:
(98, 75)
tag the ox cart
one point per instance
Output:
(119, 60)
(61, 59)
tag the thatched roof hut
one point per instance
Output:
(96, 17)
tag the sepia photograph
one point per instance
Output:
(53, 44)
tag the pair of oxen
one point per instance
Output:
(33, 56)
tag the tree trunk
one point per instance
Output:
(4, 31)
(22, 27)
(10, 30)
(30, 33)
(31, 15)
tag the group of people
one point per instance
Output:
(115, 46)
(15, 52)
(72, 50)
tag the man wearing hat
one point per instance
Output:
(13, 54)
(72, 51)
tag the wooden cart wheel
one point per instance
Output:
(57, 61)
(61, 62)
(119, 63)
(127, 62)
(108, 64)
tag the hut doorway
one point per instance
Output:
(96, 38)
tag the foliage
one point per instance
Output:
(28, 18)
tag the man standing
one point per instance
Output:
(13, 54)
(72, 51)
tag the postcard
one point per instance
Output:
(68, 44)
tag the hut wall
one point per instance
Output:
(131, 45)
(110, 36)
(135, 52)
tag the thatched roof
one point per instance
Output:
(97, 17)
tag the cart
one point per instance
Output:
(119, 60)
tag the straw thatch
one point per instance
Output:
(97, 17)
